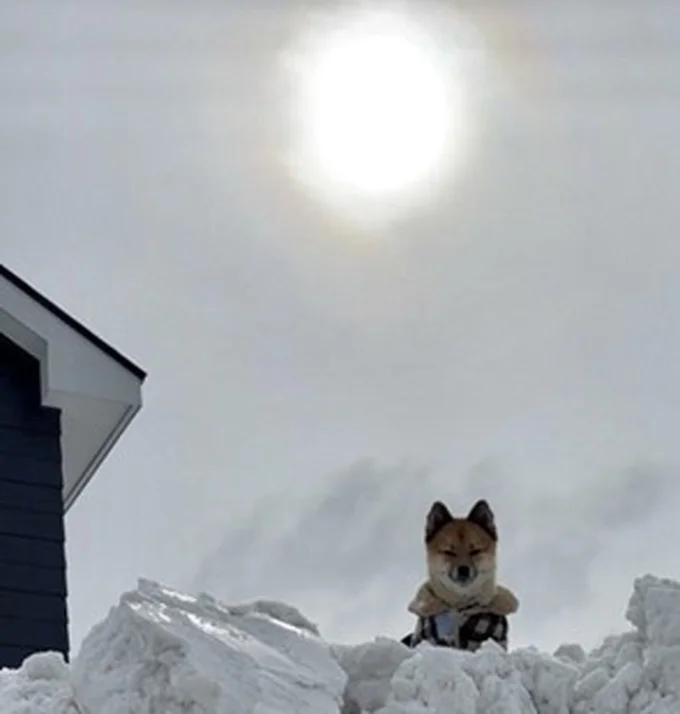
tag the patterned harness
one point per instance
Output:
(460, 630)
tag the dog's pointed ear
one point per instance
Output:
(482, 515)
(437, 518)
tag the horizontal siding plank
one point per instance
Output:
(30, 497)
(25, 469)
(33, 606)
(46, 526)
(31, 551)
(40, 447)
(32, 579)
(21, 416)
(26, 632)
(19, 384)
(20, 402)
(13, 656)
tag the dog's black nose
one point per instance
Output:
(463, 572)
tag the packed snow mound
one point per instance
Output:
(43, 684)
(634, 673)
(162, 651)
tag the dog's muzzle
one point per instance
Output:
(463, 574)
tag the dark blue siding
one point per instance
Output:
(33, 614)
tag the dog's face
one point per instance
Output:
(461, 552)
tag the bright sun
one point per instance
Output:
(378, 115)
(380, 109)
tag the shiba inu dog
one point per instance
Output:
(461, 605)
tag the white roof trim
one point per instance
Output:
(97, 390)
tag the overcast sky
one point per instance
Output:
(314, 384)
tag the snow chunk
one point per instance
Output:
(654, 609)
(42, 684)
(369, 668)
(160, 650)
(278, 610)
(571, 652)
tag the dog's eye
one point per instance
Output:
(475, 551)
(451, 553)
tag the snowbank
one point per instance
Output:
(634, 673)
(161, 651)
(42, 685)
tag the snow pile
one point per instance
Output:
(161, 651)
(41, 685)
(634, 673)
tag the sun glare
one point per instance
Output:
(377, 112)
(380, 109)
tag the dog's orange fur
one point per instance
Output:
(452, 542)
(461, 543)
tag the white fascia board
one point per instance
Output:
(97, 395)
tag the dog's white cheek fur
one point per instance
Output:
(486, 568)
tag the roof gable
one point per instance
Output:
(96, 388)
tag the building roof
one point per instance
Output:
(96, 388)
(71, 322)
